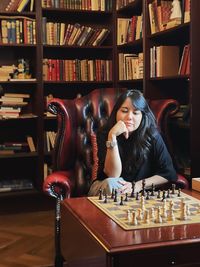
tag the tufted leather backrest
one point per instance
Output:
(77, 118)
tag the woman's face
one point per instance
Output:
(129, 115)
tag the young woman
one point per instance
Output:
(130, 148)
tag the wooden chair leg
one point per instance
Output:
(58, 255)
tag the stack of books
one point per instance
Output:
(11, 104)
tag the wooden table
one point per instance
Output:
(90, 238)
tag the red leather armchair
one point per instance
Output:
(72, 154)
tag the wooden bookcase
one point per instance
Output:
(180, 87)
(184, 88)
(31, 164)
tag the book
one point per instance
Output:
(167, 61)
(31, 144)
(14, 95)
(187, 11)
(184, 64)
(22, 5)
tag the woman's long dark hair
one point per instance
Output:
(141, 138)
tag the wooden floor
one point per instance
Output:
(27, 238)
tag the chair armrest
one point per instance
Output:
(59, 184)
(182, 182)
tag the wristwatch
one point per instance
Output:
(111, 144)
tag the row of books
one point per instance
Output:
(130, 66)
(129, 29)
(123, 3)
(7, 185)
(16, 5)
(55, 33)
(167, 14)
(9, 148)
(164, 61)
(77, 70)
(18, 30)
(94, 5)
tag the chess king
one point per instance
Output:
(131, 149)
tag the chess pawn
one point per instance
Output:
(171, 211)
(146, 216)
(158, 218)
(129, 216)
(140, 215)
(152, 213)
(176, 10)
(134, 219)
(188, 210)
(183, 215)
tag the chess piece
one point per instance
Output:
(133, 190)
(143, 187)
(122, 201)
(152, 213)
(146, 216)
(129, 216)
(158, 216)
(115, 196)
(140, 215)
(158, 195)
(113, 193)
(105, 198)
(134, 219)
(152, 190)
(183, 215)
(126, 197)
(173, 189)
(164, 209)
(171, 211)
(100, 194)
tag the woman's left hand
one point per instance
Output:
(126, 187)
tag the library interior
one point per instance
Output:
(65, 65)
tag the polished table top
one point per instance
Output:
(113, 238)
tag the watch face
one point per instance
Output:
(111, 144)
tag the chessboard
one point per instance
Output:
(148, 210)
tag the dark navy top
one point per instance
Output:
(157, 162)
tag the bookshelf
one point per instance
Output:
(179, 82)
(48, 48)
(36, 123)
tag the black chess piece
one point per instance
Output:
(122, 201)
(147, 196)
(105, 198)
(113, 193)
(158, 195)
(133, 190)
(115, 196)
(152, 190)
(126, 197)
(143, 187)
(100, 194)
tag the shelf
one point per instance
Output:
(19, 155)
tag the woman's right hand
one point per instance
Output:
(117, 129)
